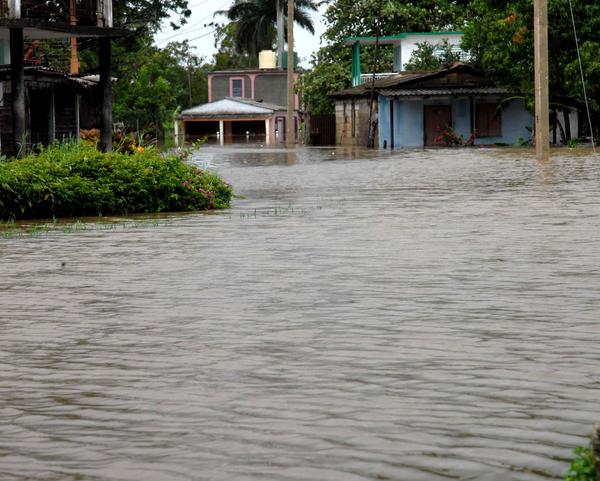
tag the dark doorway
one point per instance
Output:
(248, 131)
(39, 109)
(198, 130)
(437, 119)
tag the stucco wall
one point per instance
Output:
(515, 121)
(220, 86)
(271, 88)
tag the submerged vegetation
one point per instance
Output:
(76, 180)
(583, 466)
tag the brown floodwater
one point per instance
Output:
(416, 315)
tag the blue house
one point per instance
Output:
(432, 108)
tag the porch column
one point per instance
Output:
(51, 117)
(17, 83)
(221, 132)
(391, 100)
(106, 123)
(176, 132)
(355, 64)
(267, 131)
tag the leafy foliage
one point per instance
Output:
(583, 467)
(77, 180)
(500, 38)
(347, 18)
(255, 22)
(432, 56)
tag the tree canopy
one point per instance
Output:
(331, 64)
(255, 23)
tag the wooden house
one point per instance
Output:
(40, 104)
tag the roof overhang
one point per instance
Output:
(393, 39)
(441, 92)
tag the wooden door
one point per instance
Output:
(437, 119)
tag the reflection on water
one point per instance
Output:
(357, 315)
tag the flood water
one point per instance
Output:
(418, 315)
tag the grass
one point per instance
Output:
(76, 180)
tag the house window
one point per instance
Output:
(488, 120)
(236, 87)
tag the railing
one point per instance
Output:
(367, 78)
(87, 12)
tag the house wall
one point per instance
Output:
(515, 123)
(409, 121)
(269, 87)
(220, 86)
(358, 135)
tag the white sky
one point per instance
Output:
(202, 38)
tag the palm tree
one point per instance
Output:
(256, 19)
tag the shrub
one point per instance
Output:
(583, 467)
(77, 180)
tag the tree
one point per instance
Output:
(429, 56)
(255, 22)
(500, 39)
(347, 18)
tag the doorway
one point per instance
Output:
(437, 119)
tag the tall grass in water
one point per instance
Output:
(76, 180)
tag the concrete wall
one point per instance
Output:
(409, 121)
(515, 120)
(220, 86)
(271, 88)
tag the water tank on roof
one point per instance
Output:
(267, 59)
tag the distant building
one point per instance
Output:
(244, 106)
(416, 109)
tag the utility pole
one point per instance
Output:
(280, 33)
(291, 133)
(74, 57)
(542, 125)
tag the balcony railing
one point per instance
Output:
(87, 12)
(367, 78)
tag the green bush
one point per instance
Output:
(583, 467)
(76, 180)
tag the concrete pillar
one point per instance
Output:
(17, 82)
(221, 132)
(267, 131)
(106, 123)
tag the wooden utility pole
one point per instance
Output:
(74, 57)
(291, 131)
(280, 33)
(542, 116)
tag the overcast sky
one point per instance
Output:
(202, 38)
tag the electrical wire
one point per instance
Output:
(587, 106)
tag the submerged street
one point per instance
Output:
(357, 315)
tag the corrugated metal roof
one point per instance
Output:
(232, 106)
(438, 92)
